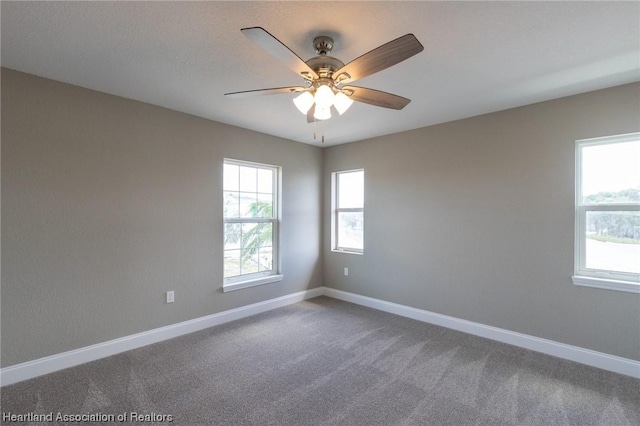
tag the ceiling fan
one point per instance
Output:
(326, 77)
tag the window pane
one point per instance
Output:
(231, 178)
(351, 190)
(265, 259)
(250, 246)
(265, 181)
(257, 242)
(249, 263)
(231, 204)
(231, 263)
(248, 179)
(265, 234)
(232, 236)
(613, 241)
(248, 204)
(264, 207)
(248, 233)
(350, 226)
(611, 173)
(257, 235)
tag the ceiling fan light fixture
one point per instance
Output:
(342, 102)
(303, 102)
(324, 98)
(322, 113)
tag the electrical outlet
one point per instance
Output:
(346, 272)
(170, 297)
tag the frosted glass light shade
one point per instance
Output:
(342, 102)
(303, 102)
(322, 113)
(324, 97)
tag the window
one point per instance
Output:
(347, 221)
(607, 253)
(250, 224)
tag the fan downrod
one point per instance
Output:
(323, 45)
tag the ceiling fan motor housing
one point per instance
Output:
(324, 65)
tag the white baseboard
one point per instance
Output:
(50, 364)
(28, 370)
(596, 359)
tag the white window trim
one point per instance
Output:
(334, 215)
(606, 284)
(266, 277)
(246, 283)
(597, 278)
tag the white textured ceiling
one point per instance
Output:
(479, 57)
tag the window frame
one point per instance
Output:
(591, 277)
(238, 282)
(336, 210)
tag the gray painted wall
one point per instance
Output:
(475, 219)
(107, 203)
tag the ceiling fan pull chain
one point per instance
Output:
(314, 129)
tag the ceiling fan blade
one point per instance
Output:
(280, 51)
(273, 91)
(376, 97)
(379, 59)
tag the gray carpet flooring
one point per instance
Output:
(327, 362)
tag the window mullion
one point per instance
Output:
(351, 210)
(250, 220)
(611, 207)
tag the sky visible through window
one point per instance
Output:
(351, 193)
(610, 167)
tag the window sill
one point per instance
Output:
(627, 286)
(239, 285)
(360, 253)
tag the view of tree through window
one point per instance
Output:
(609, 205)
(249, 219)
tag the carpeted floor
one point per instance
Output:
(327, 362)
